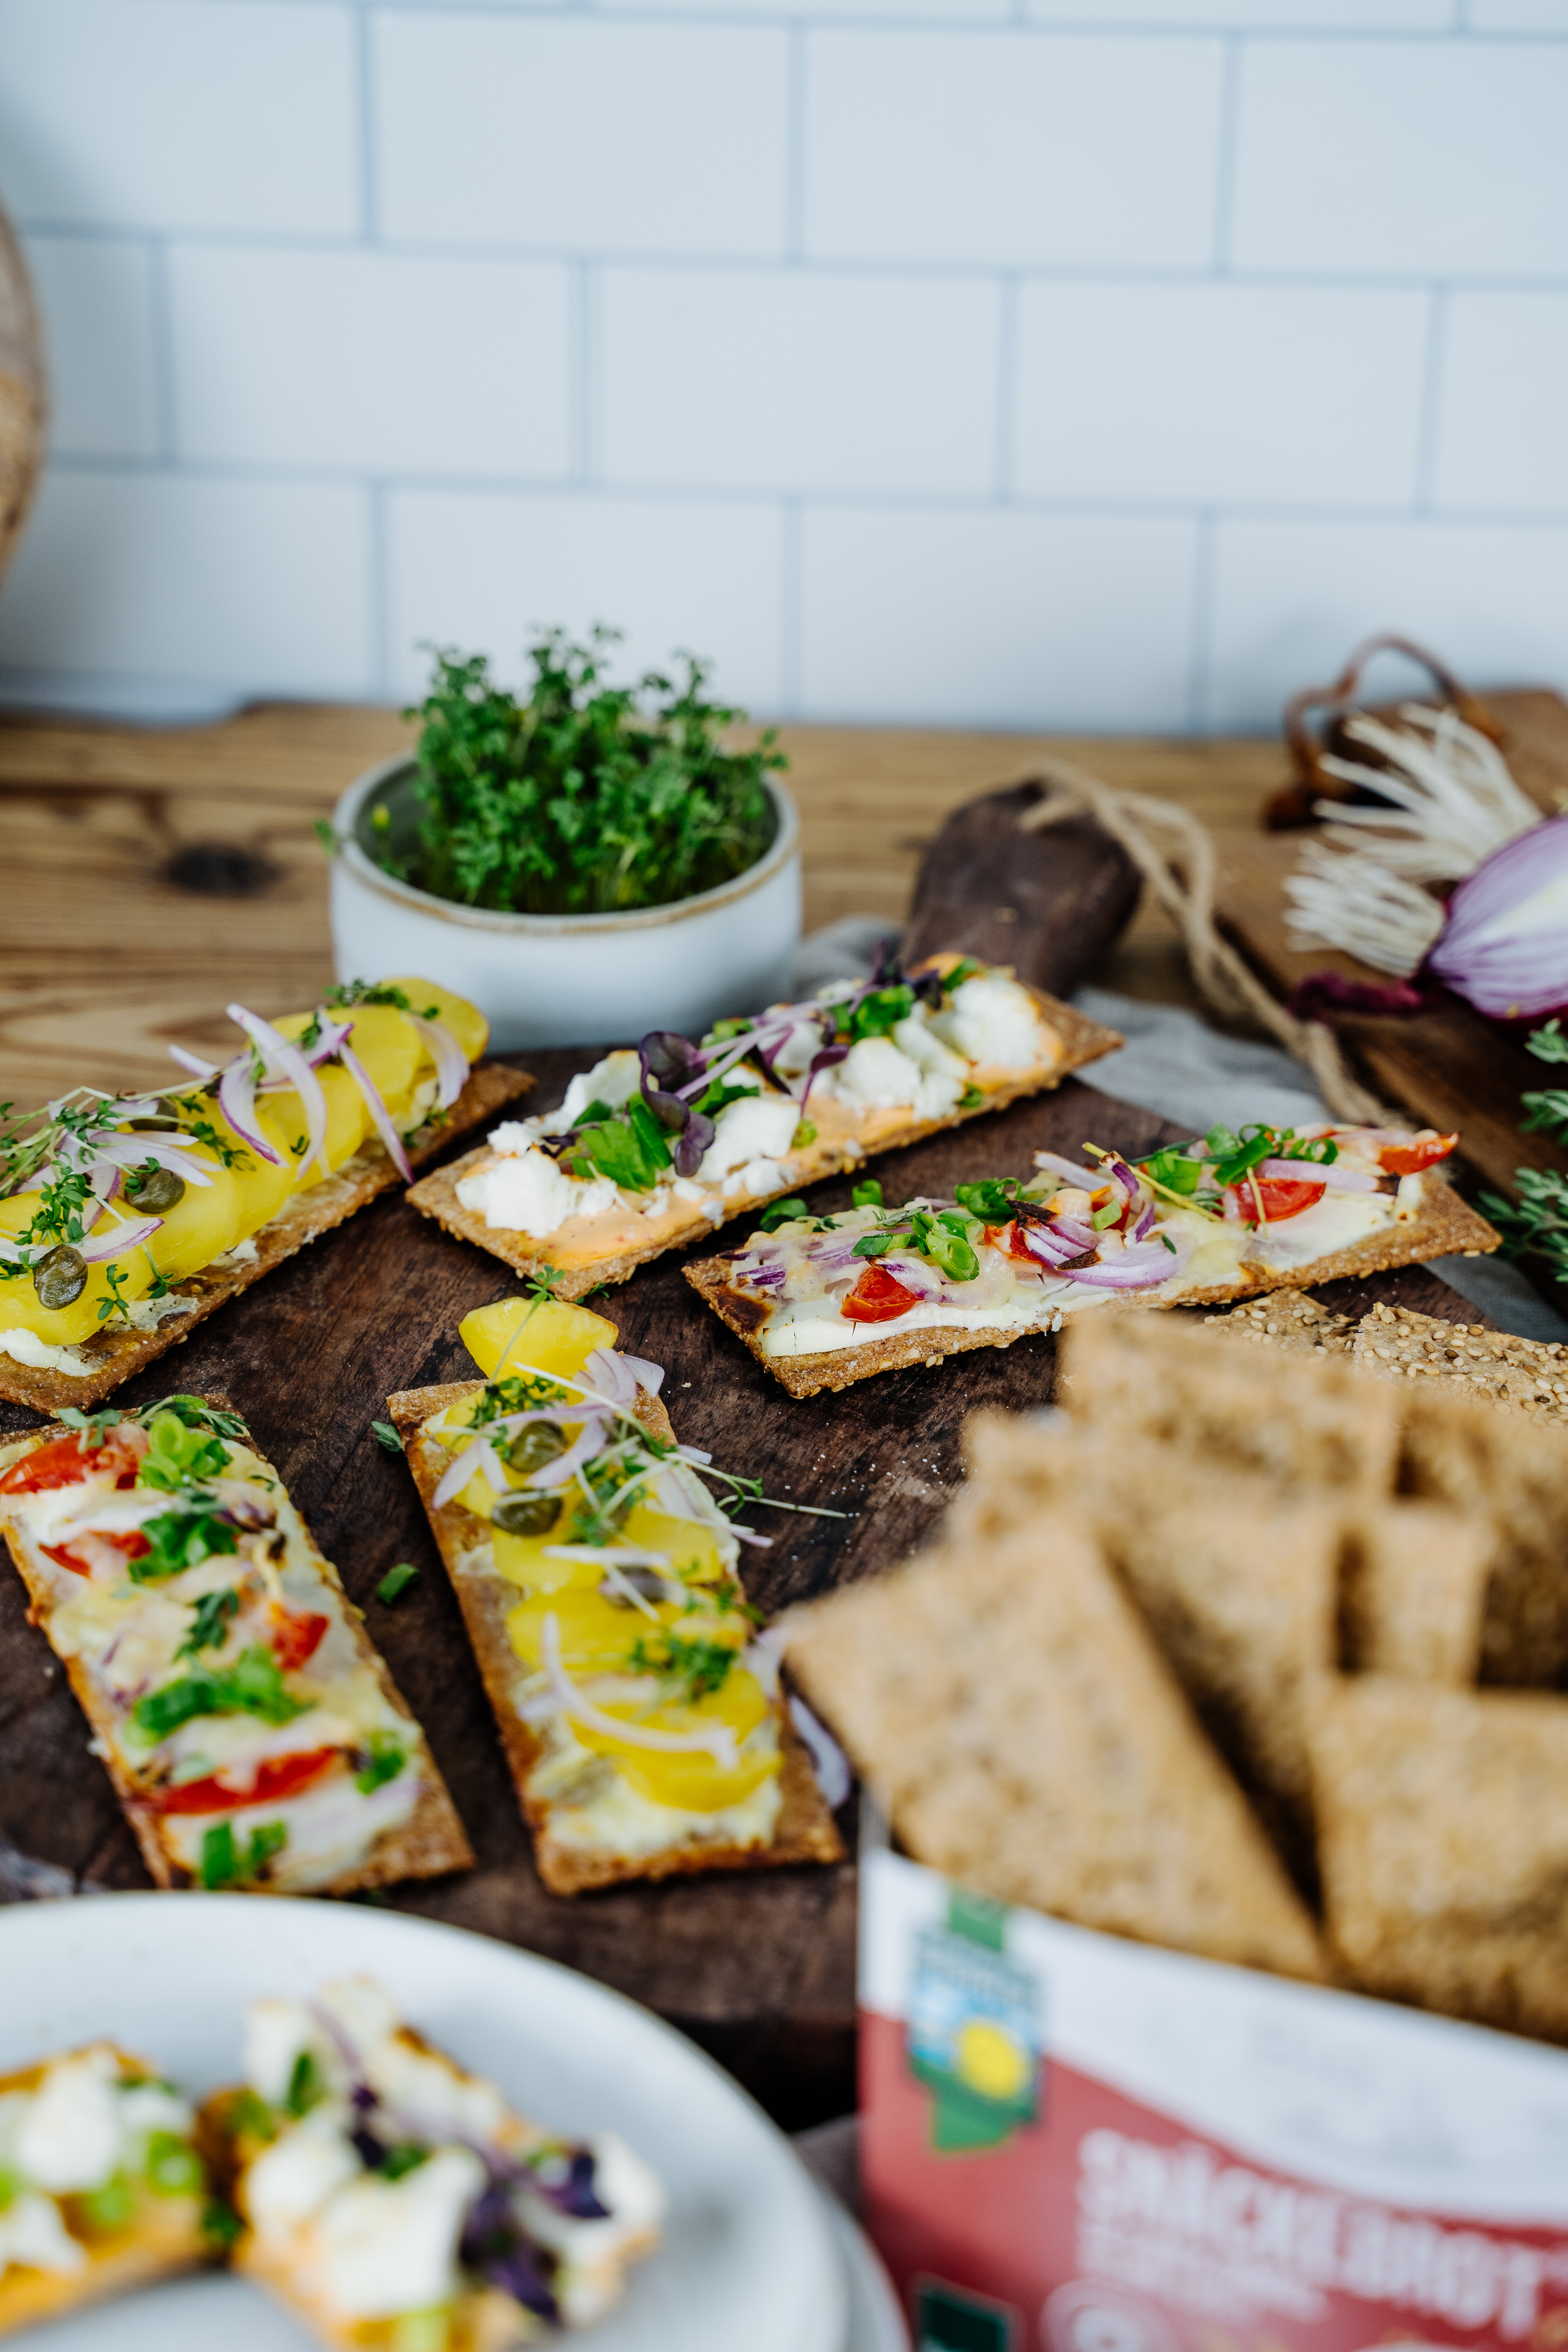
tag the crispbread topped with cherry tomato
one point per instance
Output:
(252, 1734)
(825, 1300)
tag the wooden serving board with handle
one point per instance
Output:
(758, 1969)
(1449, 1067)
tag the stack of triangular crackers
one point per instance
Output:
(1246, 1652)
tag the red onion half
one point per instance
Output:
(1504, 947)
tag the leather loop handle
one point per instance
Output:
(1294, 804)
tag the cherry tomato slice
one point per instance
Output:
(133, 1544)
(1409, 1159)
(62, 1463)
(276, 1776)
(1010, 1238)
(1282, 1197)
(878, 1297)
(296, 1637)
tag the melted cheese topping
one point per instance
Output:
(128, 1636)
(368, 2245)
(804, 1317)
(80, 2124)
(991, 1034)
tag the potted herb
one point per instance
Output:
(587, 863)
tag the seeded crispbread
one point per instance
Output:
(1415, 1580)
(1082, 1040)
(118, 1350)
(1496, 1368)
(428, 1844)
(804, 1831)
(1442, 1225)
(1016, 1721)
(1444, 1846)
(1310, 1426)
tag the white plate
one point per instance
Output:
(875, 2320)
(749, 2257)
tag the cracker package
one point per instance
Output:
(1082, 2120)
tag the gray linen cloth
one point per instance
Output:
(1175, 1064)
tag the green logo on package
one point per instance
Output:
(975, 2028)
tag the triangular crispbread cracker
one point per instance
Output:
(1304, 1422)
(1443, 1843)
(1013, 1715)
(1415, 1594)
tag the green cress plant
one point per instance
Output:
(585, 798)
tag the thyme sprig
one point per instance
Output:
(1536, 1224)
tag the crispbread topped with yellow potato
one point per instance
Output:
(642, 1717)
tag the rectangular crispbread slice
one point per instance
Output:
(429, 1843)
(1311, 1424)
(837, 1368)
(161, 2239)
(1082, 1041)
(118, 1350)
(1443, 1841)
(1414, 1602)
(804, 1831)
(1016, 1721)
(1444, 1224)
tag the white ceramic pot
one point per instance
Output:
(568, 979)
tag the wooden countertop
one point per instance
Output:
(105, 959)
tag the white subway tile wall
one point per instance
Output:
(1091, 364)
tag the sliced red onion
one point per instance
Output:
(1504, 947)
(1144, 1225)
(718, 1741)
(459, 1471)
(193, 1062)
(381, 1117)
(607, 1372)
(1143, 1268)
(104, 1246)
(648, 1376)
(275, 1049)
(451, 1061)
(1319, 1171)
(122, 1152)
(747, 1535)
(697, 1455)
(828, 1761)
(1085, 1178)
(237, 1100)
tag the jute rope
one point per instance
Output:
(1183, 879)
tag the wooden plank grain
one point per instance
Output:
(759, 1969)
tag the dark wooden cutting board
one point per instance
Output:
(759, 1969)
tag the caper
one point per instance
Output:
(539, 1442)
(521, 1514)
(61, 1276)
(157, 1190)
